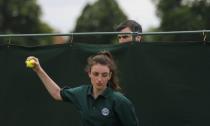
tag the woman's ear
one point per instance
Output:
(89, 73)
(110, 75)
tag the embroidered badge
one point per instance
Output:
(105, 112)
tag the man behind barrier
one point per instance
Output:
(129, 26)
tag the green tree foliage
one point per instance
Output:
(102, 16)
(22, 17)
(183, 15)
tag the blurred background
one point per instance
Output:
(64, 16)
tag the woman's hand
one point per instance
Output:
(33, 63)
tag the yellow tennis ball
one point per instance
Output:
(30, 63)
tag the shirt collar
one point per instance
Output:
(104, 94)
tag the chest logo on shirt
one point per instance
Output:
(105, 111)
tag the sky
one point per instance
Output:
(62, 14)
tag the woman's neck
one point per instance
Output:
(97, 92)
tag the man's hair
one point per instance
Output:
(133, 25)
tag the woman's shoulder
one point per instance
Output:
(77, 88)
(120, 97)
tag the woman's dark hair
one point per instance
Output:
(105, 58)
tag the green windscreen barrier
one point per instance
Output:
(168, 83)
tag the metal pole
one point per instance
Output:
(104, 33)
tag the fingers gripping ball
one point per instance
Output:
(30, 63)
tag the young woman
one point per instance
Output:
(101, 103)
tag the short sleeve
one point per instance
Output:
(72, 95)
(67, 94)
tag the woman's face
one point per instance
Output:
(99, 76)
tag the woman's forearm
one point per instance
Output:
(50, 85)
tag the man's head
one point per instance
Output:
(129, 26)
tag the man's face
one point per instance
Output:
(124, 38)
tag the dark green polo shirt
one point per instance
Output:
(109, 109)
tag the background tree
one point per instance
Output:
(102, 16)
(182, 15)
(22, 17)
